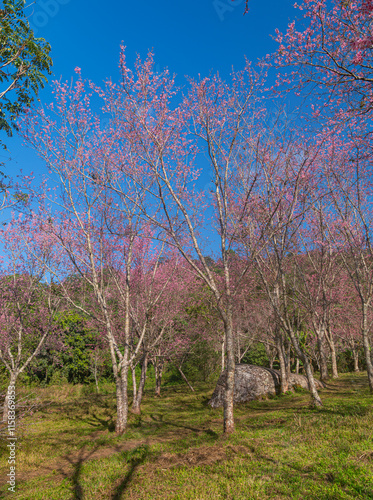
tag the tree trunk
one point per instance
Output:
(184, 378)
(288, 359)
(334, 359)
(124, 391)
(283, 372)
(333, 354)
(158, 369)
(297, 366)
(367, 348)
(323, 362)
(271, 354)
(95, 373)
(136, 405)
(10, 397)
(121, 422)
(134, 382)
(316, 401)
(229, 388)
(356, 360)
(223, 355)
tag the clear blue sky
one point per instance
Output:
(190, 37)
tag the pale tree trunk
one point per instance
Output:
(356, 360)
(279, 339)
(11, 390)
(323, 362)
(297, 366)
(124, 389)
(223, 355)
(121, 422)
(185, 379)
(316, 401)
(136, 405)
(367, 347)
(125, 361)
(134, 382)
(271, 354)
(158, 369)
(95, 373)
(311, 383)
(283, 372)
(238, 342)
(229, 388)
(288, 360)
(333, 355)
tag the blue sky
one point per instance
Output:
(188, 37)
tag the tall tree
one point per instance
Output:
(269, 234)
(215, 117)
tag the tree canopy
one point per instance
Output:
(24, 61)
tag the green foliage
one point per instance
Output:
(345, 361)
(203, 363)
(256, 355)
(78, 340)
(73, 362)
(58, 378)
(24, 60)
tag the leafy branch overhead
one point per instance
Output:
(24, 61)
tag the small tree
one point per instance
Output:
(28, 301)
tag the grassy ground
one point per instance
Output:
(281, 449)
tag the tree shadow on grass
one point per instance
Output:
(345, 409)
(77, 464)
(194, 429)
(96, 421)
(134, 458)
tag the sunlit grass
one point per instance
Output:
(281, 449)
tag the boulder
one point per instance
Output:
(301, 380)
(253, 382)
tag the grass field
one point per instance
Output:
(281, 449)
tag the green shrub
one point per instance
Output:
(256, 355)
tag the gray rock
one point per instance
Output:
(301, 380)
(253, 382)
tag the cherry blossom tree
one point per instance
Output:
(162, 141)
(349, 179)
(99, 234)
(161, 285)
(29, 300)
(269, 234)
(329, 53)
(318, 280)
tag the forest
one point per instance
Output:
(127, 289)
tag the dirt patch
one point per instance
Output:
(193, 458)
(202, 456)
(366, 457)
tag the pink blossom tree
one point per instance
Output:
(162, 142)
(161, 285)
(329, 52)
(269, 235)
(29, 301)
(99, 234)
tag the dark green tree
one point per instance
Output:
(24, 63)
